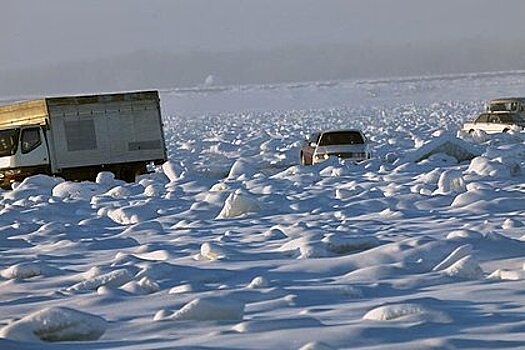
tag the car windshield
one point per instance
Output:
(8, 142)
(341, 138)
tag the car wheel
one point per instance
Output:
(505, 131)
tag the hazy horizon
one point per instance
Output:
(74, 45)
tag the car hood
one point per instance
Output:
(341, 149)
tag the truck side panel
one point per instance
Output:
(105, 129)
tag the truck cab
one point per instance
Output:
(23, 152)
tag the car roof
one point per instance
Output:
(341, 130)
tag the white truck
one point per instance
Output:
(502, 115)
(76, 137)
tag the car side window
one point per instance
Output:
(30, 139)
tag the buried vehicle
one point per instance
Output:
(76, 137)
(502, 115)
(344, 144)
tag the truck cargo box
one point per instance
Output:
(105, 129)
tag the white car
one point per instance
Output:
(496, 122)
(344, 144)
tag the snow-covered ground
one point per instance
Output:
(235, 246)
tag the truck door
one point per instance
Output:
(33, 147)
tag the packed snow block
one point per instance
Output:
(111, 279)
(465, 268)
(239, 203)
(56, 324)
(447, 144)
(211, 309)
(451, 181)
(78, 190)
(132, 214)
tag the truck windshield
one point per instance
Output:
(503, 106)
(341, 138)
(8, 142)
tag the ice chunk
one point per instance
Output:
(210, 308)
(56, 324)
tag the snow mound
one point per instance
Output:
(396, 311)
(447, 144)
(132, 214)
(316, 346)
(170, 170)
(507, 275)
(274, 233)
(259, 282)
(78, 190)
(464, 234)
(210, 308)
(56, 324)
(213, 251)
(465, 268)
(241, 167)
(487, 167)
(237, 204)
(26, 270)
(349, 244)
(456, 255)
(111, 279)
(253, 326)
(141, 287)
(105, 178)
(451, 181)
